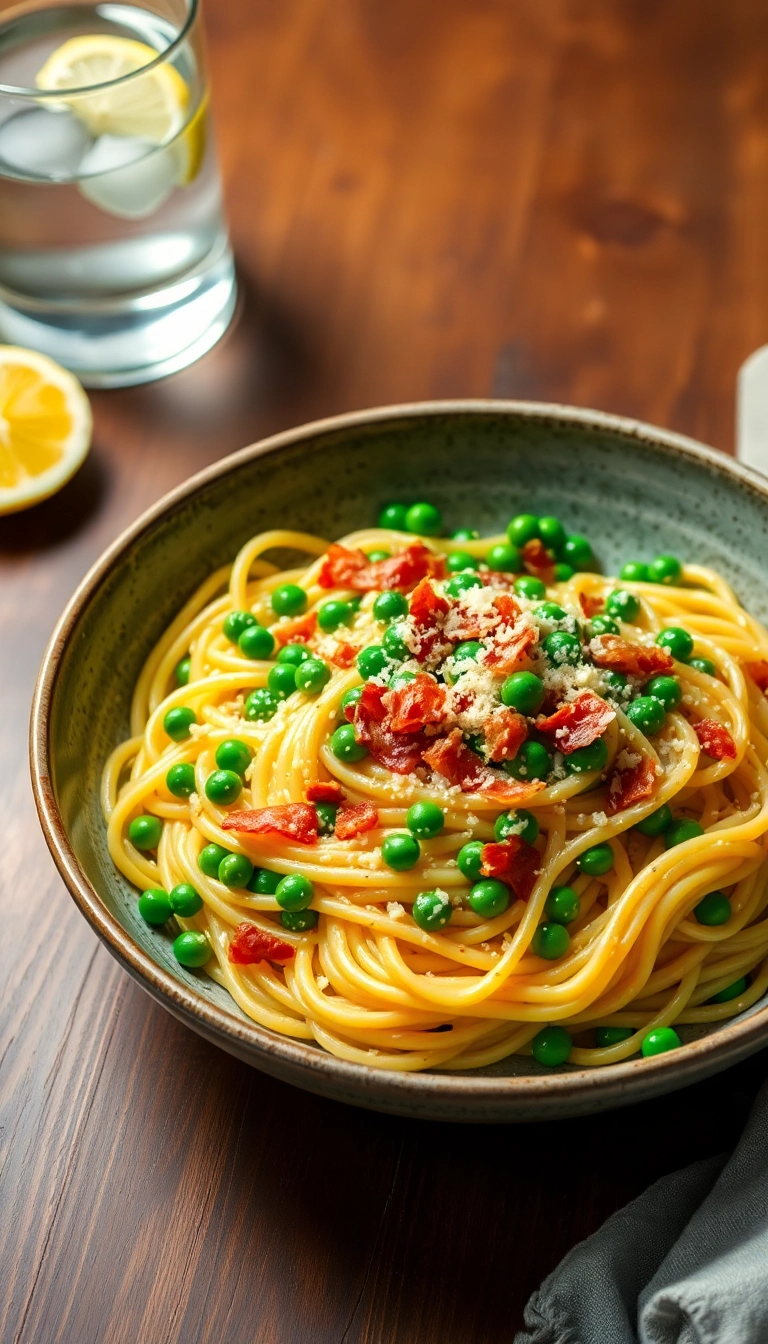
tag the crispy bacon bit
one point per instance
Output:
(513, 792)
(344, 655)
(505, 656)
(627, 787)
(514, 862)
(325, 791)
(759, 673)
(451, 757)
(538, 561)
(395, 751)
(414, 705)
(590, 604)
(577, 724)
(637, 660)
(507, 607)
(351, 821)
(504, 732)
(298, 631)
(428, 609)
(250, 945)
(715, 740)
(343, 568)
(295, 821)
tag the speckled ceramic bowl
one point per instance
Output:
(635, 490)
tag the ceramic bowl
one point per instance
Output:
(635, 490)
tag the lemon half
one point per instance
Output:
(45, 427)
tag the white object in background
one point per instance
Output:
(752, 411)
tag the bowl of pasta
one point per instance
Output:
(417, 757)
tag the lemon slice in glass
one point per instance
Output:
(45, 427)
(151, 107)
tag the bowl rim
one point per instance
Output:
(453, 1096)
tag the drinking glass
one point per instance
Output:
(114, 255)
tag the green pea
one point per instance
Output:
(256, 642)
(469, 860)
(596, 860)
(333, 614)
(678, 832)
(182, 670)
(522, 528)
(615, 686)
(312, 676)
(393, 517)
(235, 623)
(656, 822)
(394, 644)
(623, 605)
(456, 561)
(465, 534)
(350, 697)
(192, 949)
(261, 705)
(552, 532)
(289, 600)
(586, 759)
(372, 661)
(400, 852)
(550, 941)
(523, 691)
(461, 583)
(713, 909)
(634, 572)
(376, 555)
(326, 817)
(518, 822)
(223, 787)
(504, 558)
(532, 761)
(432, 910)
(550, 611)
(401, 678)
(489, 898)
(424, 519)
(294, 892)
(602, 625)
(665, 569)
(563, 572)
(144, 832)
(703, 665)
(155, 906)
(647, 714)
(388, 606)
(209, 858)
(562, 649)
(608, 1036)
(178, 722)
(299, 921)
(665, 689)
(180, 780)
(185, 901)
(733, 991)
(264, 882)
(468, 651)
(577, 551)
(425, 820)
(658, 1041)
(551, 1046)
(282, 680)
(293, 654)
(531, 587)
(232, 754)
(235, 870)
(345, 746)
(677, 642)
(562, 905)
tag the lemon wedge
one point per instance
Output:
(45, 427)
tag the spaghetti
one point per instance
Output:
(430, 803)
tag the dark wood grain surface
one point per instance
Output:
(558, 199)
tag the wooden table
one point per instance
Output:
(557, 199)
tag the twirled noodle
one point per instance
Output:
(367, 983)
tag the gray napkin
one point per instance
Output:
(686, 1263)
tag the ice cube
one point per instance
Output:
(43, 143)
(128, 177)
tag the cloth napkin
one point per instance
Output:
(686, 1263)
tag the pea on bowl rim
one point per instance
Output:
(445, 1096)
